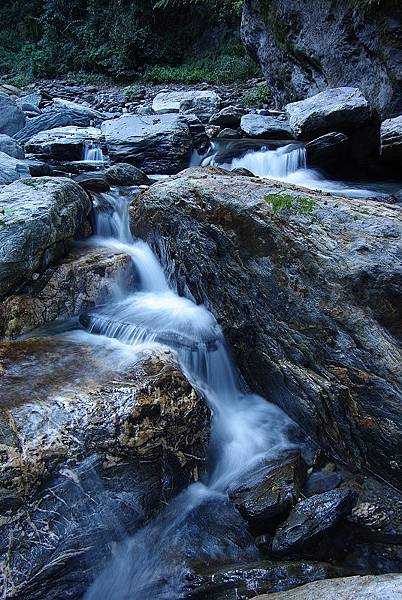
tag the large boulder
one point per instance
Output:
(204, 101)
(94, 443)
(39, 217)
(155, 144)
(391, 143)
(59, 115)
(228, 117)
(310, 301)
(303, 48)
(260, 126)
(9, 146)
(12, 169)
(342, 109)
(369, 587)
(12, 119)
(75, 284)
(328, 151)
(63, 143)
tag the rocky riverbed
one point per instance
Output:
(135, 460)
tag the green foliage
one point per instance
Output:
(257, 97)
(121, 38)
(297, 205)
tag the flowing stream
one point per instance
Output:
(246, 430)
(287, 163)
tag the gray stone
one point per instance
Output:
(125, 174)
(93, 181)
(155, 144)
(369, 587)
(271, 491)
(58, 116)
(38, 218)
(228, 134)
(12, 169)
(391, 142)
(320, 482)
(341, 109)
(181, 101)
(311, 518)
(12, 119)
(327, 151)
(63, 143)
(9, 146)
(304, 47)
(33, 99)
(229, 116)
(267, 127)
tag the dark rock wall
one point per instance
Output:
(304, 46)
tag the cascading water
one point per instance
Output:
(92, 152)
(286, 163)
(246, 429)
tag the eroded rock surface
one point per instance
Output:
(94, 442)
(308, 298)
(86, 278)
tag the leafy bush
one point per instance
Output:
(257, 97)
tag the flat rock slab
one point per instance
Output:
(369, 587)
(338, 109)
(311, 518)
(261, 126)
(63, 143)
(86, 278)
(155, 144)
(38, 218)
(168, 102)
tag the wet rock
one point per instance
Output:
(86, 278)
(391, 142)
(39, 217)
(55, 117)
(373, 587)
(267, 127)
(12, 169)
(368, 515)
(93, 181)
(273, 490)
(320, 482)
(339, 109)
(11, 147)
(228, 117)
(156, 144)
(63, 143)
(126, 174)
(94, 443)
(232, 583)
(348, 45)
(12, 119)
(33, 99)
(327, 151)
(242, 172)
(310, 304)
(311, 518)
(181, 101)
(228, 133)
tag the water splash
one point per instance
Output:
(245, 428)
(92, 151)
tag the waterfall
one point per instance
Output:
(92, 151)
(245, 429)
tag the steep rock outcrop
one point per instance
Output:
(309, 298)
(304, 47)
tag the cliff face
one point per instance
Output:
(304, 46)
